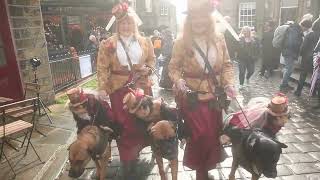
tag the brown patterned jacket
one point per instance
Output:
(183, 65)
(111, 74)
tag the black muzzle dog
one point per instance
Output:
(255, 151)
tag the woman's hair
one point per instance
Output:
(187, 35)
(245, 28)
(130, 18)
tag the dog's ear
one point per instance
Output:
(282, 145)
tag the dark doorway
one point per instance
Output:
(10, 82)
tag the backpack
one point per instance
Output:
(279, 36)
(293, 38)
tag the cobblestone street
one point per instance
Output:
(301, 160)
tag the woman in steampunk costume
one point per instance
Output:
(125, 60)
(203, 76)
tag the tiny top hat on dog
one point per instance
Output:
(278, 105)
(76, 96)
(132, 101)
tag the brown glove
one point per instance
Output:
(163, 130)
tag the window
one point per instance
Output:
(148, 4)
(3, 61)
(247, 14)
(134, 4)
(164, 10)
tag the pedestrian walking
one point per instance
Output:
(306, 52)
(270, 54)
(120, 57)
(290, 52)
(166, 51)
(247, 55)
(200, 68)
(315, 80)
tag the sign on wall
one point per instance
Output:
(85, 66)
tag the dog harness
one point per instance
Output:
(101, 146)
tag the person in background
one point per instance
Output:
(247, 51)
(122, 57)
(157, 42)
(290, 52)
(306, 52)
(93, 43)
(188, 72)
(270, 54)
(315, 80)
(166, 51)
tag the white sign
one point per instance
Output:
(85, 66)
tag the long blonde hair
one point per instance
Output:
(136, 33)
(188, 35)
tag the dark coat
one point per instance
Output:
(247, 50)
(270, 54)
(308, 45)
(292, 41)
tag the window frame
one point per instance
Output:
(247, 14)
(164, 9)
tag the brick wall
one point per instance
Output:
(29, 39)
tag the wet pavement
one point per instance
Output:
(301, 160)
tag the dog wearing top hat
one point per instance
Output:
(159, 122)
(95, 132)
(253, 137)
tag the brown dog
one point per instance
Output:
(92, 143)
(160, 121)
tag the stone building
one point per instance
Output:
(156, 14)
(255, 12)
(22, 37)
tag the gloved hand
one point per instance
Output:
(102, 96)
(144, 71)
(230, 91)
(180, 87)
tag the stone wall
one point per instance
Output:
(29, 39)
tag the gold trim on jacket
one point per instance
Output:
(184, 62)
(108, 65)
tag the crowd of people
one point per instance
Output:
(283, 46)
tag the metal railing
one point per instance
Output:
(65, 69)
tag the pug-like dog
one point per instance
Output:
(92, 143)
(159, 122)
(89, 109)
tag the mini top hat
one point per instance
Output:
(76, 97)
(278, 105)
(201, 6)
(132, 101)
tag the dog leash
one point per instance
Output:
(242, 111)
